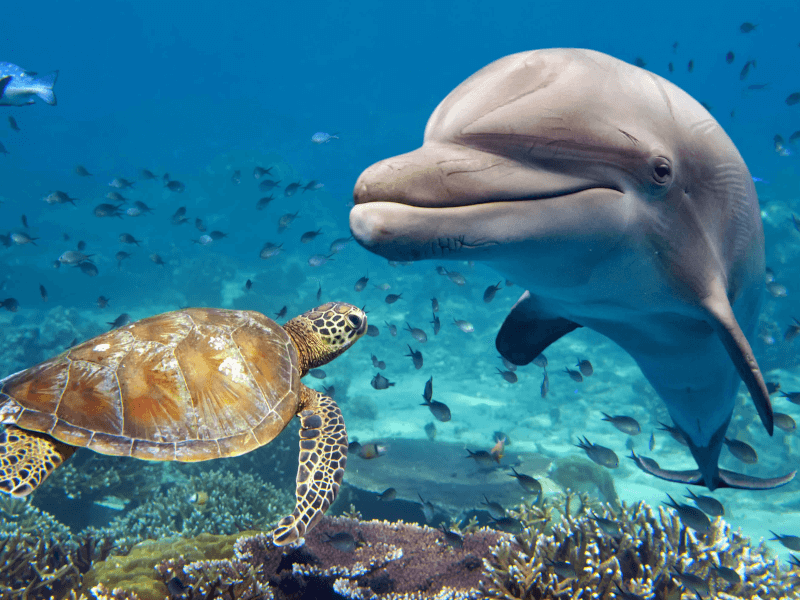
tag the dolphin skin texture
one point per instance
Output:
(619, 203)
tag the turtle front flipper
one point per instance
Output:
(27, 458)
(323, 455)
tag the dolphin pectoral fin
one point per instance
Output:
(528, 331)
(648, 465)
(747, 482)
(735, 342)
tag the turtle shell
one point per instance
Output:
(188, 385)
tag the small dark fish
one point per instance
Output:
(540, 361)
(378, 364)
(269, 250)
(527, 482)
(545, 387)
(747, 27)
(392, 298)
(236, 178)
(416, 357)
(59, 197)
(248, 285)
(340, 244)
(430, 431)
(268, 184)
(574, 375)
(309, 236)
(107, 210)
(693, 582)
(437, 324)
(318, 373)
(120, 183)
(263, 202)
(329, 390)
(725, 573)
(793, 98)
(286, 220)
(102, 302)
(361, 284)
(157, 259)
(379, 382)
(456, 277)
(175, 186)
(746, 69)
(439, 410)
(607, 526)
(388, 495)
(120, 321)
(488, 295)
(88, 268)
(605, 457)
(639, 62)
(147, 174)
(81, 171)
(676, 433)
(353, 447)
(372, 450)
(392, 329)
(3, 149)
(509, 376)
(451, 538)
(281, 313)
(199, 225)
(496, 511)
(120, 256)
(13, 123)
(561, 568)
(313, 186)
(427, 394)
(794, 137)
(427, 508)
(792, 542)
(43, 293)
(417, 333)
(176, 587)
(784, 422)
(259, 172)
(383, 286)
(373, 331)
(21, 238)
(792, 331)
(10, 304)
(652, 443)
(710, 506)
(625, 424)
(116, 197)
(24, 221)
(317, 260)
(217, 235)
(671, 67)
(508, 524)
(793, 397)
(729, 57)
(585, 367)
(342, 541)
(435, 305)
(319, 292)
(464, 326)
(744, 452)
(691, 516)
(690, 66)
(482, 458)
(127, 238)
(291, 189)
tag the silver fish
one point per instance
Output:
(19, 87)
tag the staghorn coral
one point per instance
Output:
(218, 502)
(19, 517)
(642, 559)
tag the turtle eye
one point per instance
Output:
(355, 320)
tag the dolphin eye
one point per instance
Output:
(662, 170)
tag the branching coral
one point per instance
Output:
(576, 558)
(19, 517)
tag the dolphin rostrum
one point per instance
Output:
(619, 203)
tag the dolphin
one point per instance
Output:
(619, 203)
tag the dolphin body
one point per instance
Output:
(619, 203)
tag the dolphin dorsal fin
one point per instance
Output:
(528, 331)
(724, 322)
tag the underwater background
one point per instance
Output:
(207, 92)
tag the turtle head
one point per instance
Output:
(324, 332)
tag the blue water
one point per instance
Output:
(202, 90)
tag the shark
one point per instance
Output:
(618, 203)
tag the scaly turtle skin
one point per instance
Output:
(189, 385)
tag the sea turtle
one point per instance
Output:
(189, 385)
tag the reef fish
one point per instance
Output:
(619, 203)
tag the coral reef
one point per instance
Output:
(647, 552)
(19, 517)
(220, 502)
